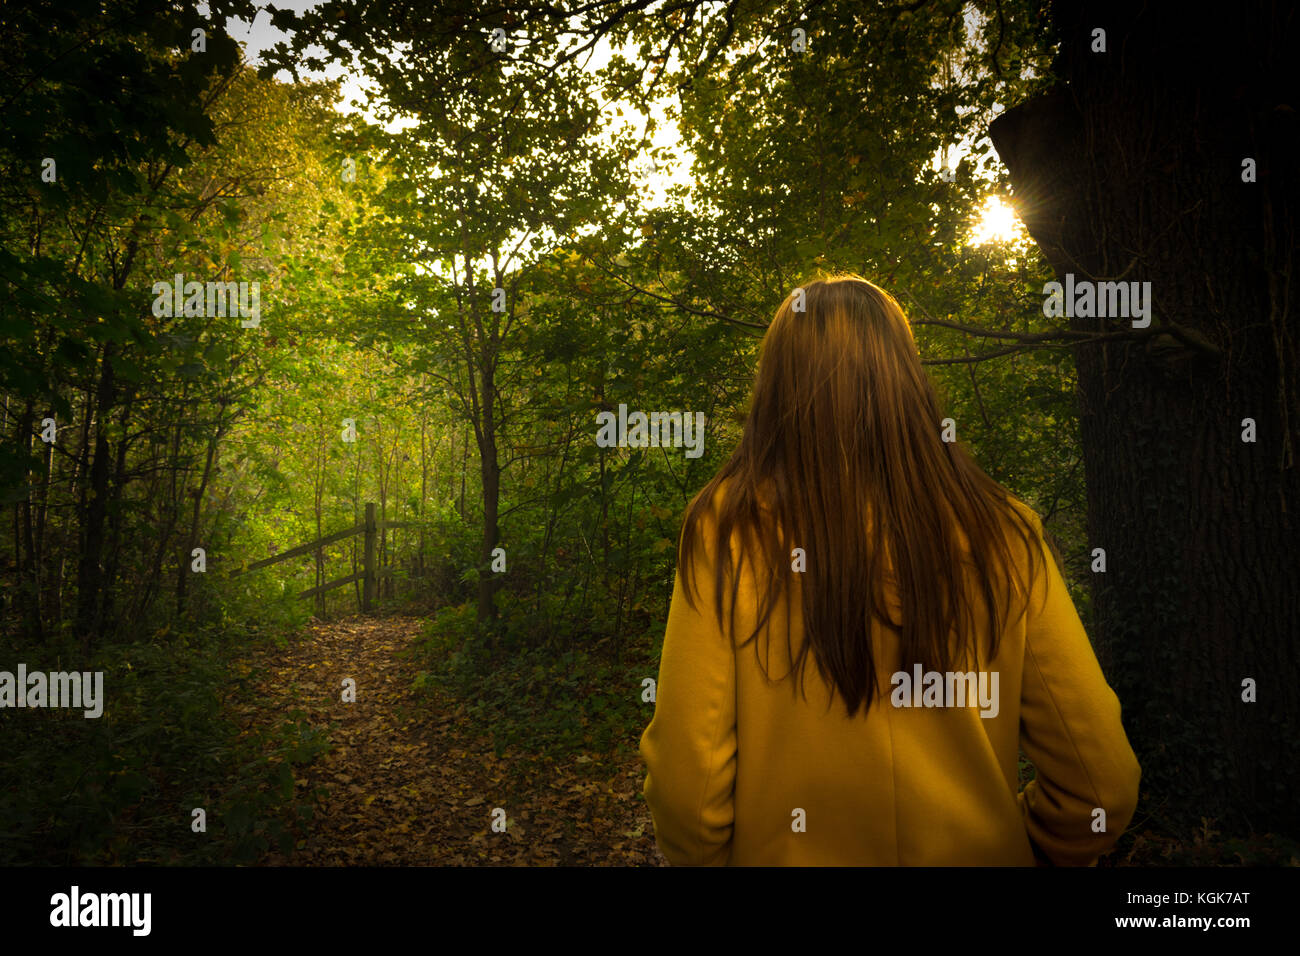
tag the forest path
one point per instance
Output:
(406, 783)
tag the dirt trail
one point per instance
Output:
(407, 785)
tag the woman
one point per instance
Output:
(865, 628)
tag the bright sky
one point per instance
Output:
(260, 35)
(996, 222)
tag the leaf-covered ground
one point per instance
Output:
(405, 784)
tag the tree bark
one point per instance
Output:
(1131, 169)
(490, 470)
(90, 567)
(26, 552)
(196, 517)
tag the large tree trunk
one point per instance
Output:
(1132, 168)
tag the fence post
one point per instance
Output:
(368, 588)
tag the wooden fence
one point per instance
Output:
(369, 575)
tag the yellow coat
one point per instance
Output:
(732, 758)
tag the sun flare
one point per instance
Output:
(997, 223)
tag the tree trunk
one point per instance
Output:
(1132, 169)
(464, 465)
(318, 509)
(424, 494)
(196, 516)
(25, 551)
(488, 581)
(108, 611)
(90, 568)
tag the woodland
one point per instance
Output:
(427, 306)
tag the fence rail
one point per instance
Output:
(369, 575)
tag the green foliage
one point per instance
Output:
(262, 811)
(119, 789)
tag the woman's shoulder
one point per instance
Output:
(725, 493)
(745, 510)
(1025, 511)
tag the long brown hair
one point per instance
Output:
(842, 456)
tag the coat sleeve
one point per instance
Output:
(1070, 729)
(689, 748)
